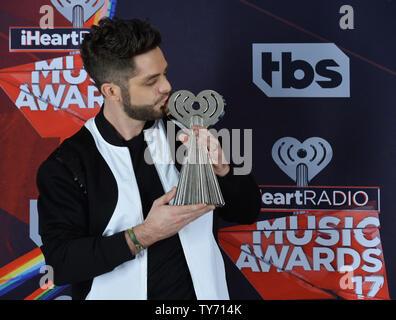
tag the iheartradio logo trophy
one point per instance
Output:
(77, 11)
(198, 182)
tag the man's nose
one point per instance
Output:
(165, 86)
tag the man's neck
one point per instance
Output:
(126, 127)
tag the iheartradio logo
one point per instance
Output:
(302, 161)
(78, 12)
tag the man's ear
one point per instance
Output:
(111, 91)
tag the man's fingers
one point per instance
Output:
(183, 137)
(165, 198)
(192, 208)
(205, 209)
(196, 214)
(204, 137)
(200, 211)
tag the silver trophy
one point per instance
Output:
(198, 182)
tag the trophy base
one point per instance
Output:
(198, 184)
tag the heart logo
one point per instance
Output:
(204, 109)
(77, 11)
(315, 153)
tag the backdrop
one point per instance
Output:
(313, 80)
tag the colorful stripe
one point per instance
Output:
(107, 10)
(20, 270)
(112, 8)
(45, 294)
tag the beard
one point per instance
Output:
(143, 112)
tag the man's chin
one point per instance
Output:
(164, 110)
(147, 113)
(156, 115)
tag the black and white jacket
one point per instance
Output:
(82, 223)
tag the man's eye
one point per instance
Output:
(151, 83)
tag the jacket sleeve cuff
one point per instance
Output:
(116, 250)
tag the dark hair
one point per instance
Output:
(107, 50)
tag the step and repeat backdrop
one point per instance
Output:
(309, 87)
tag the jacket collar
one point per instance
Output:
(110, 134)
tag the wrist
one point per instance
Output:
(137, 238)
(137, 244)
(130, 243)
(143, 235)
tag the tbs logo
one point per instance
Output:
(301, 70)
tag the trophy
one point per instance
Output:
(198, 182)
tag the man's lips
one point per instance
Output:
(164, 101)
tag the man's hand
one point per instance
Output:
(163, 220)
(220, 165)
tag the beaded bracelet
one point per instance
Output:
(138, 246)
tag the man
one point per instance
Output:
(104, 215)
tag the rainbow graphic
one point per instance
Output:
(107, 10)
(21, 270)
(45, 293)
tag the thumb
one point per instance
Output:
(183, 137)
(164, 199)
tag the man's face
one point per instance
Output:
(145, 95)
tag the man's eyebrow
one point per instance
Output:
(154, 75)
(151, 77)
